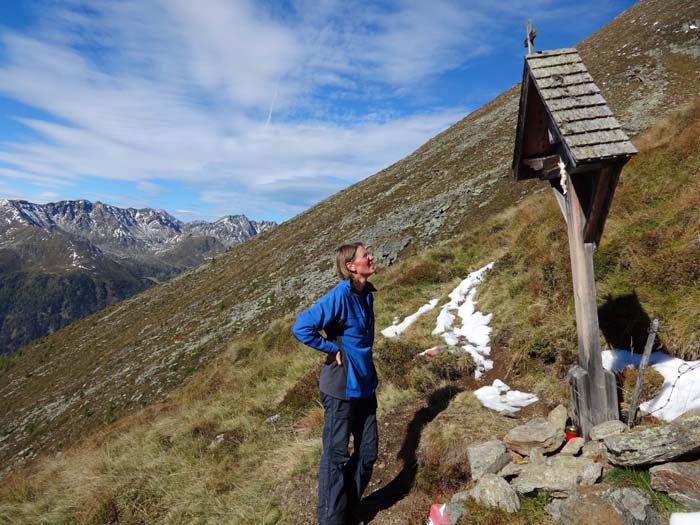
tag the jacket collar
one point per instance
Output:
(369, 287)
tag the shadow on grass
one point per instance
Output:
(399, 487)
(624, 322)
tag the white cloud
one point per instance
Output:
(234, 94)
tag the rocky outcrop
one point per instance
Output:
(681, 480)
(656, 444)
(536, 433)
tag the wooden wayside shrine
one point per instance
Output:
(568, 136)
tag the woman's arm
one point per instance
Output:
(310, 322)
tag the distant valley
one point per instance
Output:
(62, 261)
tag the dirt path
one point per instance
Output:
(393, 498)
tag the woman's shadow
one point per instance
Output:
(399, 487)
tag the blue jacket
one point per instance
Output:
(347, 318)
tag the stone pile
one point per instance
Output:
(535, 457)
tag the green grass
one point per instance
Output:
(640, 478)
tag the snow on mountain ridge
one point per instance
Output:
(124, 229)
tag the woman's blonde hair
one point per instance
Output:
(343, 255)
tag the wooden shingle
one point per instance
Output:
(583, 121)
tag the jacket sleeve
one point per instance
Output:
(319, 317)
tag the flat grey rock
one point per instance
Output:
(607, 428)
(536, 433)
(559, 475)
(657, 444)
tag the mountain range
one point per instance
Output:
(61, 261)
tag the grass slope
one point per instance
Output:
(239, 443)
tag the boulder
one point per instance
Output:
(536, 433)
(572, 447)
(488, 457)
(607, 428)
(602, 504)
(495, 492)
(558, 417)
(656, 444)
(559, 475)
(681, 480)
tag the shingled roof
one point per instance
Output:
(582, 120)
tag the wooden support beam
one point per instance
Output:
(546, 167)
(605, 184)
(593, 390)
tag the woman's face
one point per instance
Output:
(363, 263)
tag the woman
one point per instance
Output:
(348, 382)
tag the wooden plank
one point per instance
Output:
(602, 151)
(566, 69)
(545, 167)
(584, 413)
(564, 80)
(596, 137)
(556, 52)
(602, 404)
(537, 62)
(573, 115)
(576, 90)
(576, 102)
(589, 125)
(604, 190)
(653, 330)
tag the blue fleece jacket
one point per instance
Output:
(347, 318)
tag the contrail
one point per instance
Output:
(272, 105)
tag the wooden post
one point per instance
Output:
(640, 374)
(593, 389)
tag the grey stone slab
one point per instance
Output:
(656, 444)
(536, 433)
(607, 428)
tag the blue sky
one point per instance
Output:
(214, 107)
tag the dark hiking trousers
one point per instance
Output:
(342, 479)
